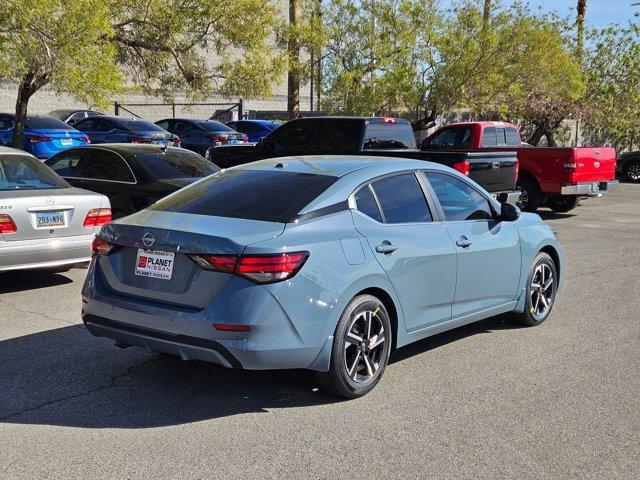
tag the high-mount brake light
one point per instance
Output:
(389, 120)
(257, 268)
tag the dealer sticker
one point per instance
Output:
(154, 264)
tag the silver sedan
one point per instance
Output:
(44, 222)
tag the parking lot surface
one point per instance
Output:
(490, 400)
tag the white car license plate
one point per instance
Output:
(154, 264)
(65, 142)
(50, 219)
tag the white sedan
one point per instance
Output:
(44, 221)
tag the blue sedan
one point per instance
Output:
(105, 129)
(254, 129)
(43, 136)
(326, 263)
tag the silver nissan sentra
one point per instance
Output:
(325, 263)
(44, 222)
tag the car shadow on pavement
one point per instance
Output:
(67, 377)
(18, 281)
(551, 215)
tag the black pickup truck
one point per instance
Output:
(375, 136)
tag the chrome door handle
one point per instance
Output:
(463, 242)
(386, 247)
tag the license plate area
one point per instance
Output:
(65, 142)
(154, 264)
(50, 219)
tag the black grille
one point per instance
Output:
(183, 339)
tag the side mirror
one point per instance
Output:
(509, 212)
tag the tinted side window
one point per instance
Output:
(459, 200)
(336, 137)
(100, 125)
(64, 164)
(449, 138)
(489, 138)
(513, 138)
(381, 136)
(6, 122)
(366, 203)
(103, 165)
(401, 199)
(165, 124)
(292, 137)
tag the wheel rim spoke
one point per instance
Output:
(353, 339)
(368, 365)
(548, 284)
(353, 371)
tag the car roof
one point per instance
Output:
(484, 123)
(336, 165)
(13, 151)
(130, 148)
(185, 119)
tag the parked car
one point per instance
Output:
(199, 135)
(71, 116)
(43, 136)
(44, 221)
(105, 129)
(554, 177)
(132, 176)
(254, 129)
(628, 166)
(326, 263)
(380, 136)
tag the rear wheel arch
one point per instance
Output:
(390, 306)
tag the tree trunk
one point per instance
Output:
(22, 102)
(293, 77)
(551, 138)
(582, 8)
(536, 136)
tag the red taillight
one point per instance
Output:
(85, 139)
(177, 141)
(97, 217)
(37, 138)
(6, 224)
(139, 140)
(230, 327)
(389, 120)
(517, 168)
(257, 268)
(217, 138)
(100, 246)
(463, 167)
(245, 138)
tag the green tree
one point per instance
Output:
(612, 72)
(83, 47)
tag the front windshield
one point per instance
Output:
(21, 172)
(176, 164)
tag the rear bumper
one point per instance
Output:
(508, 196)
(45, 253)
(591, 189)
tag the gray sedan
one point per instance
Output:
(44, 222)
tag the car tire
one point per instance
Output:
(563, 203)
(537, 310)
(632, 171)
(358, 357)
(530, 195)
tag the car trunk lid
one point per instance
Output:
(153, 263)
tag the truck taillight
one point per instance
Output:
(463, 167)
(517, 168)
(97, 217)
(136, 139)
(257, 268)
(6, 224)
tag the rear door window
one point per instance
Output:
(513, 138)
(367, 204)
(99, 164)
(401, 199)
(389, 136)
(458, 199)
(449, 139)
(253, 194)
(293, 138)
(64, 163)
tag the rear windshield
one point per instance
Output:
(213, 126)
(272, 196)
(139, 125)
(389, 136)
(176, 164)
(20, 172)
(47, 123)
(60, 114)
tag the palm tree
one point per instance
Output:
(582, 8)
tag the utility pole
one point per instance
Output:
(293, 76)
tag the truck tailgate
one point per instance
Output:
(592, 164)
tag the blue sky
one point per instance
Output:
(599, 12)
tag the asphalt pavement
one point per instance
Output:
(490, 400)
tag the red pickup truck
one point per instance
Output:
(554, 177)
